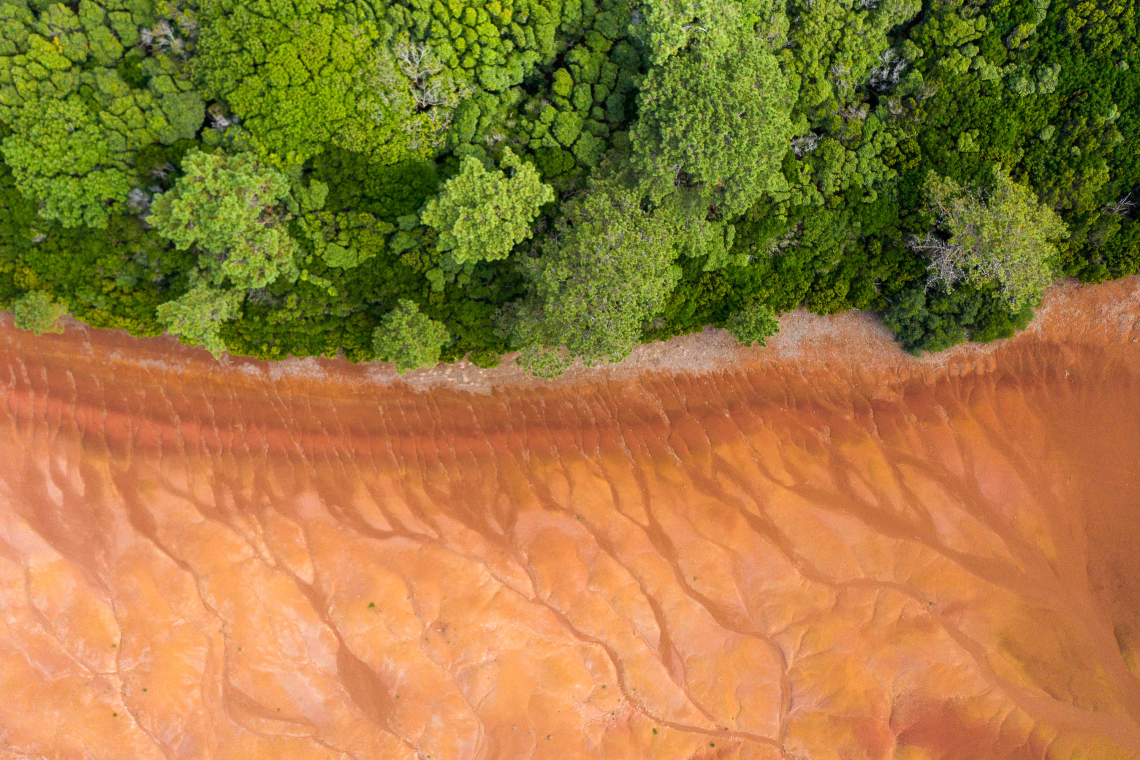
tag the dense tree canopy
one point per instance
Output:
(423, 180)
(301, 77)
(39, 312)
(608, 269)
(1004, 235)
(482, 215)
(718, 118)
(84, 88)
(669, 26)
(408, 338)
(227, 206)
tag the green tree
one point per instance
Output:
(841, 44)
(61, 158)
(753, 324)
(671, 25)
(934, 319)
(408, 338)
(197, 316)
(228, 206)
(306, 76)
(606, 270)
(481, 215)
(345, 240)
(1004, 235)
(717, 118)
(39, 312)
(76, 123)
(697, 234)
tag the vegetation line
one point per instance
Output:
(422, 180)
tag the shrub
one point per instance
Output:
(753, 324)
(481, 215)
(39, 312)
(408, 338)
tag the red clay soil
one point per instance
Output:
(821, 549)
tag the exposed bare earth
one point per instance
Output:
(821, 549)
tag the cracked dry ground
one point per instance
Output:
(829, 551)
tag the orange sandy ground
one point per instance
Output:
(822, 549)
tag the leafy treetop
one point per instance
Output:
(228, 206)
(481, 215)
(1004, 235)
(39, 312)
(607, 270)
(409, 338)
(718, 118)
(197, 316)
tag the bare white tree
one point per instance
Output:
(887, 73)
(420, 65)
(1121, 207)
(171, 34)
(221, 122)
(943, 257)
(431, 85)
(787, 240)
(840, 73)
(162, 171)
(805, 144)
(138, 201)
(409, 79)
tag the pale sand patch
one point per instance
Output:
(855, 341)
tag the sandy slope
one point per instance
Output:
(821, 549)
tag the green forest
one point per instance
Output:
(416, 181)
